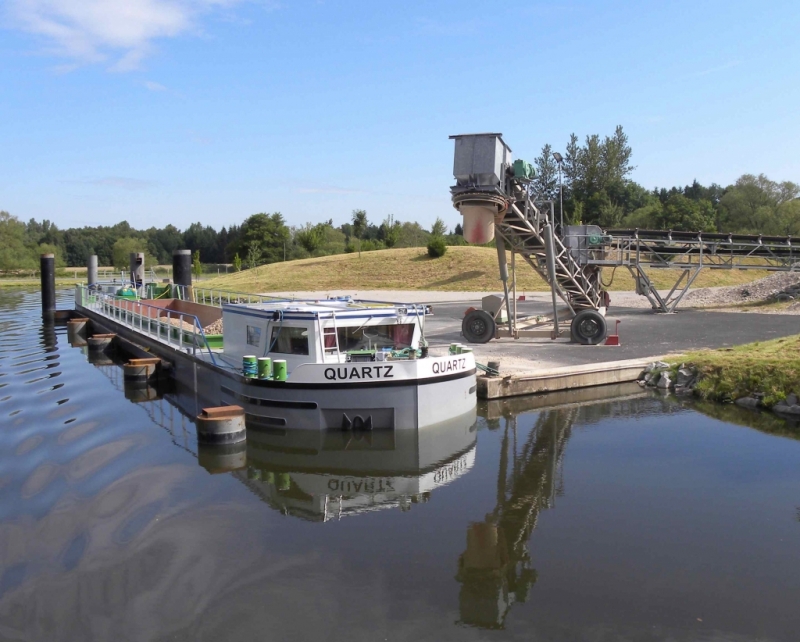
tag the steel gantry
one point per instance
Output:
(493, 193)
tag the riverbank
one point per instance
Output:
(764, 374)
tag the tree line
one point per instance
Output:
(597, 189)
(261, 238)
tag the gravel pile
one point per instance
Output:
(214, 328)
(763, 289)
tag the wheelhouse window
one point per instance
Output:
(288, 340)
(375, 337)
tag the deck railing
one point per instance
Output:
(179, 330)
(210, 296)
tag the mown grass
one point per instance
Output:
(36, 282)
(768, 367)
(461, 269)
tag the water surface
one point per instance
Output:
(634, 518)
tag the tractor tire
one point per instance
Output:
(588, 328)
(478, 326)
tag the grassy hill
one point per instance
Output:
(461, 269)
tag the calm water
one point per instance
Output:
(635, 518)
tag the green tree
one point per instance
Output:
(438, 228)
(124, 247)
(253, 255)
(389, 231)
(545, 182)
(237, 262)
(412, 235)
(13, 252)
(681, 213)
(596, 177)
(436, 247)
(786, 221)
(360, 225)
(751, 204)
(197, 267)
(264, 236)
(311, 237)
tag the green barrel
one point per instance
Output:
(453, 348)
(279, 370)
(249, 365)
(264, 367)
(284, 481)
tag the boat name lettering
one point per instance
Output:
(451, 471)
(451, 365)
(359, 372)
(352, 487)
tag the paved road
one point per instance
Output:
(642, 334)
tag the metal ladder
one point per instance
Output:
(523, 227)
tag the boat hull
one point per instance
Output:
(419, 394)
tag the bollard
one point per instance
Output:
(264, 367)
(494, 365)
(47, 265)
(221, 425)
(279, 370)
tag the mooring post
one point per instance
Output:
(182, 271)
(221, 425)
(47, 266)
(91, 271)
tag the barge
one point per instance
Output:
(338, 363)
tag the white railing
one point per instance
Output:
(210, 296)
(178, 330)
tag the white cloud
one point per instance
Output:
(121, 32)
(154, 86)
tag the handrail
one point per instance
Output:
(216, 297)
(210, 296)
(122, 311)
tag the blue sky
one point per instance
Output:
(175, 111)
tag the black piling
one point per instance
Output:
(182, 267)
(48, 268)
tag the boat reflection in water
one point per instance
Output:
(324, 475)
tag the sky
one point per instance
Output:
(177, 111)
